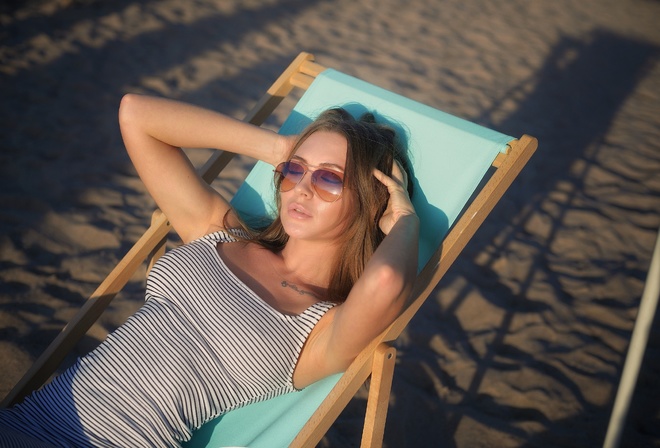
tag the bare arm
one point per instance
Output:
(382, 291)
(155, 129)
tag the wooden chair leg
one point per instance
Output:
(159, 249)
(379, 396)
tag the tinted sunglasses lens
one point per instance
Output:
(327, 184)
(290, 174)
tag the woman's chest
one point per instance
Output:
(255, 266)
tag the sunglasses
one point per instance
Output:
(327, 184)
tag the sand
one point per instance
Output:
(522, 344)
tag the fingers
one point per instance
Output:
(386, 180)
(399, 176)
(399, 173)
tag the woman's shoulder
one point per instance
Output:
(226, 236)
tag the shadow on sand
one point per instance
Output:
(605, 70)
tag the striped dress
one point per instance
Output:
(202, 344)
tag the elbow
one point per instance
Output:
(389, 279)
(393, 286)
(133, 119)
(127, 110)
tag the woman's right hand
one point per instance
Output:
(283, 148)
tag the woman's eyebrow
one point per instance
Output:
(323, 164)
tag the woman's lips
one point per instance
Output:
(298, 211)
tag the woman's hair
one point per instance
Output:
(370, 145)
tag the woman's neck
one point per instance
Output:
(307, 262)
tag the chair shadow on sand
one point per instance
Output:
(604, 70)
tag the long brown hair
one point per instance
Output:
(370, 145)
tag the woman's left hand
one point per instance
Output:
(399, 203)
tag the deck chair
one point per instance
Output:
(452, 159)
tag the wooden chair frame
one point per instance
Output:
(378, 359)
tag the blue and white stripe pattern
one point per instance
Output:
(202, 344)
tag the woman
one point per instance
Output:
(236, 316)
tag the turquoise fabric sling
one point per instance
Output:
(450, 157)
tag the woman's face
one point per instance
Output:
(303, 213)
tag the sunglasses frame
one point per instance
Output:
(280, 176)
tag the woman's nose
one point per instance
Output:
(305, 185)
